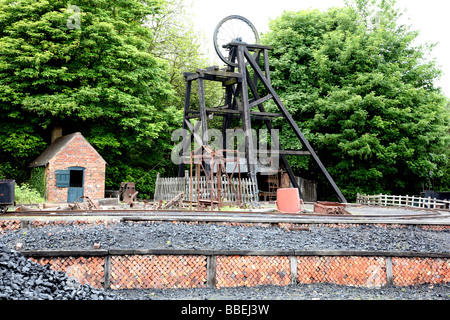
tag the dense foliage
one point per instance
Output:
(26, 194)
(363, 93)
(176, 41)
(86, 68)
(354, 79)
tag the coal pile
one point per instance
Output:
(23, 279)
(168, 235)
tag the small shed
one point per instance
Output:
(73, 168)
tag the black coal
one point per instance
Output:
(20, 278)
(167, 235)
(23, 279)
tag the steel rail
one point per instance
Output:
(213, 214)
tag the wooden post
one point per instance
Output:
(293, 260)
(203, 117)
(211, 271)
(389, 271)
(157, 187)
(266, 64)
(249, 146)
(187, 101)
(107, 273)
(219, 185)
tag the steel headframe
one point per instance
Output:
(237, 103)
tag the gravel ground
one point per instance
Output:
(216, 237)
(297, 292)
(221, 237)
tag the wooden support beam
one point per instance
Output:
(266, 64)
(225, 77)
(293, 262)
(266, 114)
(107, 273)
(238, 112)
(211, 271)
(229, 82)
(189, 76)
(219, 73)
(194, 131)
(187, 102)
(261, 100)
(227, 118)
(246, 116)
(286, 152)
(291, 121)
(203, 116)
(257, 57)
(250, 47)
(389, 271)
(268, 124)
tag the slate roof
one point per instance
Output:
(55, 148)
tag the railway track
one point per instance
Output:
(428, 216)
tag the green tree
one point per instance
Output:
(363, 93)
(176, 41)
(85, 68)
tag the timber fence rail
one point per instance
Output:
(402, 201)
(168, 188)
(164, 268)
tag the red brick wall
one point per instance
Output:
(9, 225)
(88, 270)
(351, 271)
(158, 271)
(250, 271)
(189, 271)
(77, 153)
(412, 271)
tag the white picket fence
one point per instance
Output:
(402, 201)
(168, 188)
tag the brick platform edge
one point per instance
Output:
(133, 269)
(146, 269)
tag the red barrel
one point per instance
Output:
(288, 200)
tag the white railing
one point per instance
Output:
(168, 188)
(402, 201)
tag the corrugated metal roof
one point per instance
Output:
(55, 148)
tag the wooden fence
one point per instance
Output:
(402, 201)
(168, 188)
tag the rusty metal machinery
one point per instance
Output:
(213, 164)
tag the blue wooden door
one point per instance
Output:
(76, 184)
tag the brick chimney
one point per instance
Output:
(56, 133)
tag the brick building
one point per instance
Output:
(73, 168)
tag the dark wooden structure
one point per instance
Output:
(241, 96)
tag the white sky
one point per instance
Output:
(430, 17)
